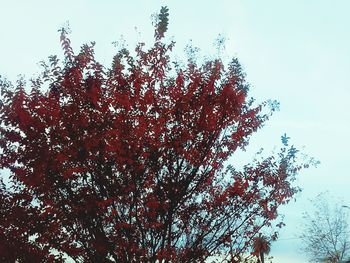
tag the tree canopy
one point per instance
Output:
(325, 235)
(131, 163)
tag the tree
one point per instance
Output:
(261, 247)
(131, 163)
(326, 232)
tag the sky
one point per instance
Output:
(294, 51)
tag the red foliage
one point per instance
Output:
(129, 164)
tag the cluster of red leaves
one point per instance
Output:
(127, 164)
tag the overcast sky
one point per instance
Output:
(295, 51)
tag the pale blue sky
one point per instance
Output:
(295, 51)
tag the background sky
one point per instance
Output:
(294, 51)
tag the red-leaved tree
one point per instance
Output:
(131, 163)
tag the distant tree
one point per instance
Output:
(326, 236)
(130, 163)
(261, 247)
